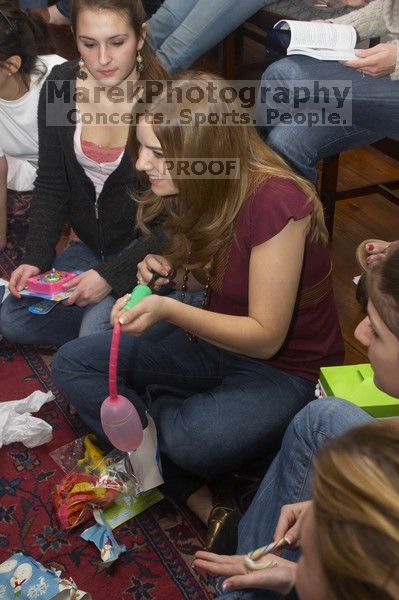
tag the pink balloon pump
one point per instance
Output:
(119, 418)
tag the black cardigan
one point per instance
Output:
(64, 192)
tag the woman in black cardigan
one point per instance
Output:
(86, 177)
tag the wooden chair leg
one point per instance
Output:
(328, 189)
(229, 56)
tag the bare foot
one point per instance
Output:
(370, 252)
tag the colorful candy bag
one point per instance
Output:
(78, 493)
(94, 481)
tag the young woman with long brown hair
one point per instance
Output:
(224, 381)
(86, 176)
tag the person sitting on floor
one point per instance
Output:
(226, 398)
(22, 74)
(373, 99)
(86, 176)
(284, 493)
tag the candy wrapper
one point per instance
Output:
(24, 578)
(78, 493)
(94, 481)
(101, 535)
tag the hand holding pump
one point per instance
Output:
(119, 418)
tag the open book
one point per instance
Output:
(324, 41)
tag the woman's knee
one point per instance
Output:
(68, 363)
(96, 317)
(13, 321)
(286, 69)
(80, 358)
(329, 417)
(62, 361)
(184, 443)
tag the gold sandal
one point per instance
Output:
(222, 534)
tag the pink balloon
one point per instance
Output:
(121, 423)
(119, 418)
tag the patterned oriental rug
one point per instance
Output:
(160, 542)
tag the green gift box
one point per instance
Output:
(355, 384)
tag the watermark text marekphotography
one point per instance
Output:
(304, 102)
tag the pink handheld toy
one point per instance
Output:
(119, 418)
(50, 283)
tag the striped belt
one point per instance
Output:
(317, 292)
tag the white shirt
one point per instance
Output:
(18, 129)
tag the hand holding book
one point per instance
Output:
(377, 61)
(320, 40)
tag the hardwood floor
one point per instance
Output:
(357, 219)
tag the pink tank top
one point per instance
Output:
(100, 154)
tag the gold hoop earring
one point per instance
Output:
(82, 73)
(139, 62)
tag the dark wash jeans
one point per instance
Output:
(374, 104)
(214, 410)
(288, 480)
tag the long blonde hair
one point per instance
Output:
(200, 219)
(356, 508)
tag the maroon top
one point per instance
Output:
(314, 338)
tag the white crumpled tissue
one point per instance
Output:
(18, 425)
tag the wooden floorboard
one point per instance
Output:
(355, 220)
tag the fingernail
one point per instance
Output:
(165, 273)
(20, 288)
(370, 247)
(121, 320)
(225, 586)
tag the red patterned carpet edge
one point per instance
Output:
(160, 542)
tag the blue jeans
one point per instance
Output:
(182, 30)
(62, 323)
(375, 111)
(214, 410)
(288, 480)
(23, 4)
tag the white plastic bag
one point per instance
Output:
(18, 425)
(4, 291)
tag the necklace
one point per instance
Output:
(183, 292)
